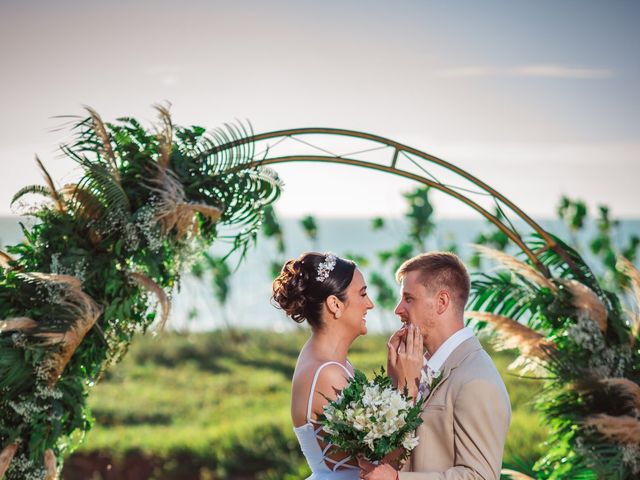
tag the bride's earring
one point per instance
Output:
(337, 315)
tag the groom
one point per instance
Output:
(467, 412)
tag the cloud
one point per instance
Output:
(167, 74)
(528, 71)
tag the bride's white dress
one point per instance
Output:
(308, 436)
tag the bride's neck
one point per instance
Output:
(329, 345)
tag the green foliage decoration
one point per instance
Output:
(580, 340)
(77, 290)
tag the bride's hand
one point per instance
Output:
(406, 358)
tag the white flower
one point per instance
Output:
(380, 412)
(410, 441)
(328, 430)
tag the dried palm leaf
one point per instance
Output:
(533, 346)
(50, 465)
(587, 303)
(517, 266)
(516, 335)
(5, 260)
(17, 324)
(173, 212)
(6, 456)
(89, 206)
(623, 429)
(86, 312)
(626, 387)
(52, 277)
(153, 287)
(59, 202)
(166, 137)
(80, 306)
(101, 131)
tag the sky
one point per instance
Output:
(536, 98)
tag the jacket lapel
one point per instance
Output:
(461, 352)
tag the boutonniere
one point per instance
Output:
(433, 382)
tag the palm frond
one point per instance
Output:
(31, 189)
(244, 197)
(249, 192)
(573, 266)
(501, 294)
(229, 152)
(99, 182)
(87, 205)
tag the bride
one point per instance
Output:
(330, 294)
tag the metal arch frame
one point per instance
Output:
(391, 168)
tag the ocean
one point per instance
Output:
(194, 307)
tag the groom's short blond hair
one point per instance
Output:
(440, 270)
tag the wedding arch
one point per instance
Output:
(76, 291)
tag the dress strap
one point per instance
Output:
(313, 385)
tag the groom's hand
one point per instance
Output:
(392, 353)
(405, 358)
(369, 471)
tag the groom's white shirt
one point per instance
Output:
(440, 356)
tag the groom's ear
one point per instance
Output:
(443, 300)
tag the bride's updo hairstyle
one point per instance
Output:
(298, 292)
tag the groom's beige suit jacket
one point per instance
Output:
(465, 420)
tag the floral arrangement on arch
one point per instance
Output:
(582, 341)
(75, 292)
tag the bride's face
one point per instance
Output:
(357, 304)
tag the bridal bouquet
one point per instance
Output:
(372, 418)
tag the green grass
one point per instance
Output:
(216, 405)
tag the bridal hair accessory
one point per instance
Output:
(325, 268)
